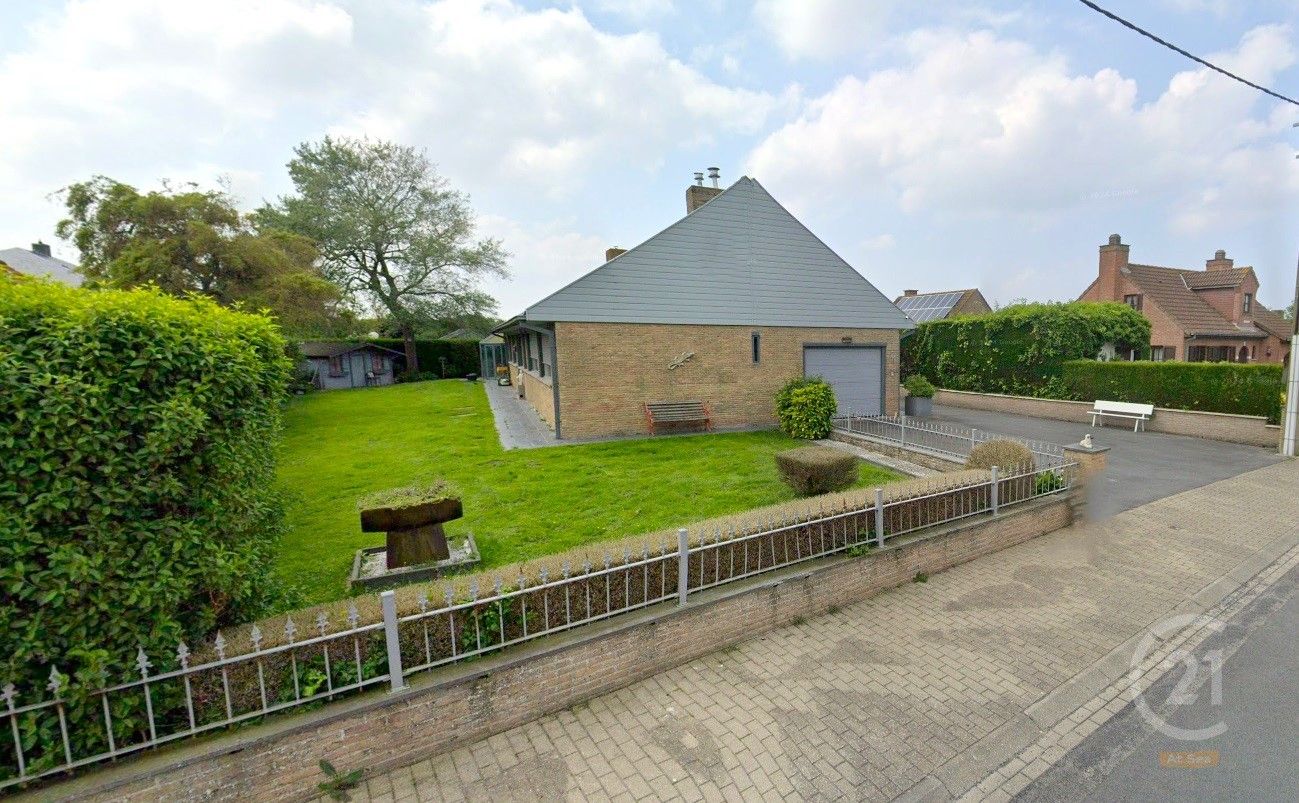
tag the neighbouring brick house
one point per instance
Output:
(1210, 315)
(940, 304)
(722, 307)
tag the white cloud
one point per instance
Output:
(543, 258)
(823, 29)
(983, 124)
(634, 10)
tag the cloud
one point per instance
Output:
(543, 258)
(974, 123)
(634, 10)
(823, 29)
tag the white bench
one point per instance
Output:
(1139, 413)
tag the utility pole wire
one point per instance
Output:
(1190, 56)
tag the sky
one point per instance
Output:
(935, 145)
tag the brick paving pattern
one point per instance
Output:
(867, 701)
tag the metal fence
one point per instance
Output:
(947, 440)
(86, 722)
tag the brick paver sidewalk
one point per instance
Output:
(890, 694)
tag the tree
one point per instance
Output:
(391, 231)
(191, 241)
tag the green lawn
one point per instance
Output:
(520, 504)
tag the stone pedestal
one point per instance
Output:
(1091, 464)
(415, 534)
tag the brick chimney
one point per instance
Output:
(1114, 258)
(910, 292)
(40, 248)
(697, 194)
(610, 253)
(1219, 261)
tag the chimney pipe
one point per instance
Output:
(1220, 261)
(699, 179)
(714, 173)
(615, 251)
(41, 248)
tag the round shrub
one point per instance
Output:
(805, 407)
(137, 502)
(812, 470)
(919, 387)
(1006, 455)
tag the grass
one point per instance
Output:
(519, 504)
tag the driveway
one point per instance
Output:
(1142, 466)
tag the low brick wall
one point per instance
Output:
(1248, 429)
(912, 455)
(462, 704)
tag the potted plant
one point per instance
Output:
(920, 396)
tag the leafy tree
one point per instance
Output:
(391, 232)
(192, 241)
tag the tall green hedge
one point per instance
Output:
(1219, 387)
(137, 438)
(461, 356)
(1020, 349)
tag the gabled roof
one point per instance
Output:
(1221, 277)
(1170, 289)
(1272, 322)
(34, 264)
(935, 305)
(740, 259)
(330, 348)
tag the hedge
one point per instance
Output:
(1219, 387)
(1021, 349)
(461, 356)
(137, 444)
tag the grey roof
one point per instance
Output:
(740, 259)
(332, 348)
(33, 264)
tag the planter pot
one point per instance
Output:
(919, 407)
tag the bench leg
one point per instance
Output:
(1093, 421)
(1136, 425)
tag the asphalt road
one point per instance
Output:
(1257, 711)
(1141, 466)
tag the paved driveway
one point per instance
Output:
(1142, 466)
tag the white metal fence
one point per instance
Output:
(948, 440)
(85, 722)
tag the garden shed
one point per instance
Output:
(341, 365)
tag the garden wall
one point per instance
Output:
(1247, 429)
(460, 704)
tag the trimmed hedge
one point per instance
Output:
(811, 470)
(461, 356)
(1218, 387)
(137, 452)
(1021, 349)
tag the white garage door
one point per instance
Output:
(855, 373)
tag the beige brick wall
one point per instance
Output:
(540, 395)
(462, 704)
(607, 371)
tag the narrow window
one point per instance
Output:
(755, 341)
(1133, 301)
(1157, 353)
(1249, 302)
(335, 366)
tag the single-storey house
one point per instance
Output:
(721, 308)
(940, 304)
(1210, 315)
(336, 366)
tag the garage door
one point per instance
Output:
(855, 373)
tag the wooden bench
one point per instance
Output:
(681, 412)
(1138, 413)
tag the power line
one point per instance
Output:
(1190, 56)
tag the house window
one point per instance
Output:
(1249, 302)
(1157, 354)
(336, 366)
(755, 343)
(544, 356)
(1133, 301)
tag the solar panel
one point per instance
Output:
(929, 307)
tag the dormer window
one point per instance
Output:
(1249, 302)
(1133, 301)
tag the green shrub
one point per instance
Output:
(1006, 455)
(137, 446)
(919, 387)
(461, 356)
(805, 407)
(1219, 387)
(1020, 349)
(812, 470)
